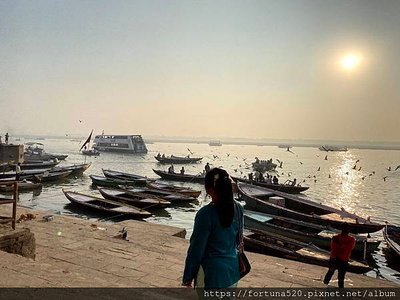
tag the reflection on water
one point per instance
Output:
(334, 181)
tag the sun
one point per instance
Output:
(350, 61)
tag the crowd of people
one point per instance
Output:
(258, 176)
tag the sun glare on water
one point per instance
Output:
(350, 61)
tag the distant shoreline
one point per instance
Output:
(293, 144)
(243, 141)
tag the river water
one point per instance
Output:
(366, 187)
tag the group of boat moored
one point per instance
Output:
(131, 195)
(32, 175)
(298, 228)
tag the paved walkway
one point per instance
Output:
(72, 252)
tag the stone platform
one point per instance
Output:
(72, 252)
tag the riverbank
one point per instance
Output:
(73, 252)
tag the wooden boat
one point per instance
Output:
(91, 152)
(78, 169)
(105, 206)
(291, 249)
(291, 206)
(328, 148)
(26, 174)
(177, 159)
(392, 237)
(138, 200)
(148, 192)
(263, 165)
(34, 152)
(22, 186)
(52, 176)
(180, 177)
(110, 182)
(174, 189)
(37, 165)
(286, 188)
(215, 143)
(304, 232)
(125, 176)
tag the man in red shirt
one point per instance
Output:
(341, 247)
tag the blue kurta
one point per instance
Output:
(214, 248)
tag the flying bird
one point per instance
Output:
(288, 150)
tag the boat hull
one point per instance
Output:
(176, 189)
(143, 201)
(179, 177)
(177, 160)
(277, 187)
(302, 209)
(111, 182)
(105, 206)
(290, 249)
(302, 231)
(391, 235)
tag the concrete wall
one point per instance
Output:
(19, 241)
(11, 153)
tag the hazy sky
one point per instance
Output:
(256, 69)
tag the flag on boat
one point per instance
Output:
(87, 141)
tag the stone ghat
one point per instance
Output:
(72, 252)
(20, 241)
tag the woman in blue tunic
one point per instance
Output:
(213, 244)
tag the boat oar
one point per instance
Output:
(200, 173)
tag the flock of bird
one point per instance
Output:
(248, 166)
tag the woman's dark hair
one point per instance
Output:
(345, 227)
(218, 180)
